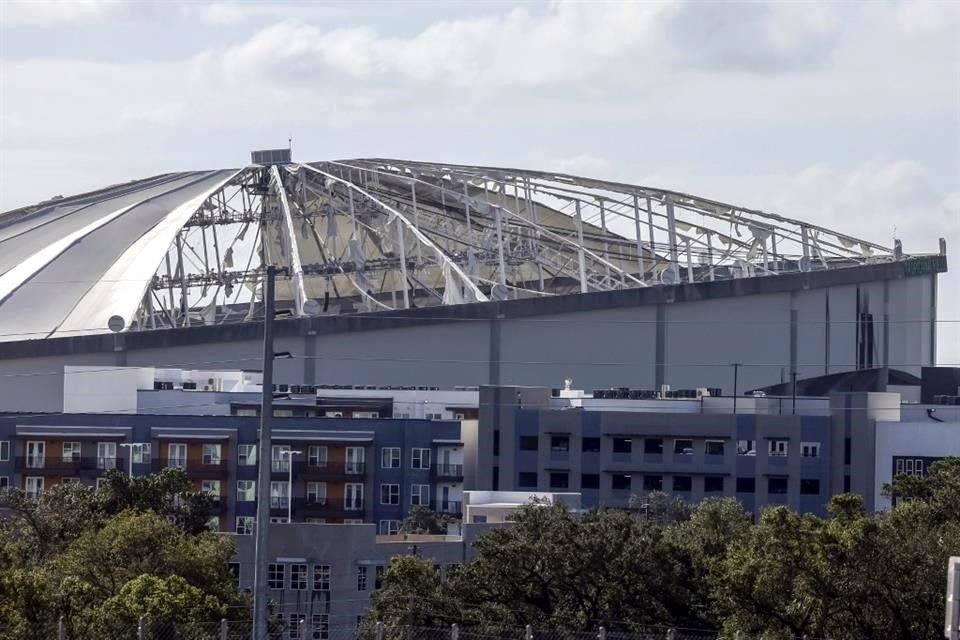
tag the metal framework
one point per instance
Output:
(370, 235)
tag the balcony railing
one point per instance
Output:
(69, 466)
(331, 470)
(451, 471)
(194, 469)
(333, 509)
(448, 506)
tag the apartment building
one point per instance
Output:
(325, 574)
(762, 450)
(346, 470)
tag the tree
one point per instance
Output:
(91, 555)
(423, 520)
(658, 506)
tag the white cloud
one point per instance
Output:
(924, 16)
(52, 12)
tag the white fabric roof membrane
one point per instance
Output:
(66, 268)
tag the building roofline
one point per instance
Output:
(479, 311)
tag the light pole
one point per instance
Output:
(130, 446)
(289, 453)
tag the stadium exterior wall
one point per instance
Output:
(685, 335)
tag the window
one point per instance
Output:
(529, 443)
(653, 446)
(496, 442)
(809, 487)
(241, 411)
(283, 413)
(420, 494)
(67, 481)
(211, 454)
(315, 520)
(590, 445)
(777, 486)
(278, 520)
(590, 481)
(71, 451)
(713, 484)
(620, 482)
(298, 577)
(213, 523)
(683, 447)
(378, 576)
(559, 480)
(4, 482)
(746, 447)
(246, 490)
(682, 483)
(420, 458)
(36, 454)
(246, 455)
(317, 456)
(4, 450)
(280, 458)
(777, 447)
(245, 525)
(846, 484)
(177, 455)
(321, 626)
(528, 479)
(746, 485)
(389, 493)
(235, 570)
(279, 496)
(918, 467)
(140, 452)
(622, 445)
(810, 449)
(713, 447)
(317, 493)
(362, 578)
(321, 577)
(293, 626)
(388, 527)
(355, 460)
(210, 487)
(653, 483)
(899, 468)
(390, 458)
(846, 451)
(106, 455)
(33, 486)
(560, 444)
(909, 466)
(353, 497)
(479, 519)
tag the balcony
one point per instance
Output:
(194, 470)
(71, 466)
(447, 472)
(449, 507)
(330, 471)
(331, 509)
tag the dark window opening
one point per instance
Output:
(846, 484)
(622, 445)
(496, 442)
(590, 481)
(713, 484)
(810, 487)
(528, 479)
(713, 448)
(496, 478)
(560, 444)
(591, 445)
(683, 447)
(653, 483)
(682, 483)
(620, 482)
(653, 445)
(559, 480)
(846, 451)
(777, 486)
(529, 443)
(746, 485)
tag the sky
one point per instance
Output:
(846, 114)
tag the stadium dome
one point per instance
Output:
(373, 235)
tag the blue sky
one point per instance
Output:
(846, 114)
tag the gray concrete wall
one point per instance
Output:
(601, 341)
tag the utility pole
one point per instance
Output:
(262, 524)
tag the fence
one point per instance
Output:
(305, 629)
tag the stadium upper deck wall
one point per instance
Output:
(685, 335)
